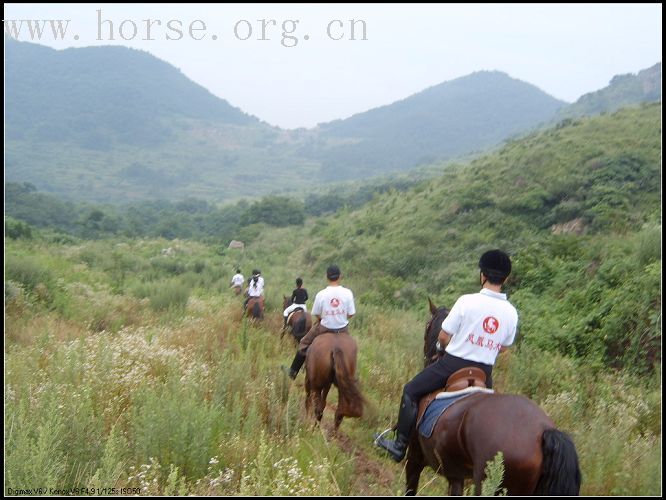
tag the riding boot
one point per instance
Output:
(299, 359)
(406, 419)
(284, 324)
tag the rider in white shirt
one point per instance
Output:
(477, 329)
(334, 306)
(255, 286)
(237, 280)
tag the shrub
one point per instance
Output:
(27, 271)
(169, 295)
(16, 229)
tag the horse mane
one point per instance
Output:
(432, 330)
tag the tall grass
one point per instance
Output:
(191, 400)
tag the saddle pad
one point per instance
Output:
(440, 404)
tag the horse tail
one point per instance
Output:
(560, 472)
(351, 399)
(256, 309)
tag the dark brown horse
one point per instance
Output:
(255, 308)
(538, 458)
(331, 359)
(298, 321)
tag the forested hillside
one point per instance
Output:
(623, 90)
(115, 125)
(468, 114)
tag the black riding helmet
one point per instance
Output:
(496, 265)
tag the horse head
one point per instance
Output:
(286, 301)
(437, 316)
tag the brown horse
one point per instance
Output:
(331, 359)
(538, 458)
(298, 321)
(255, 308)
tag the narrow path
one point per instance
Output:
(373, 476)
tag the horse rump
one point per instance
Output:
(560, 474)
(256, 309)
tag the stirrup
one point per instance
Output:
(381, 436)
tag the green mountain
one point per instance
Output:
(112, 125)
(623, 90)
(99, 97)
(448, 120)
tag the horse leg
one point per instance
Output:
(308, 396)
(339, 411)
(478, 476)
(338, 420)
(320, 403)
(455, 486)
(415, 465)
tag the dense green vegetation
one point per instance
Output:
(111, 342)
(130, 127)
(623, 90)
(191, 218)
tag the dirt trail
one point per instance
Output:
(373, 476)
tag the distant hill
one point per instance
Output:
(113, 125)
(445, 121)
(623, 90)
(100, 97)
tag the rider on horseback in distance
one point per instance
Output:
(478, 328)
(255, 287)
(334, 306)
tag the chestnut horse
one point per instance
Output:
(255, 308)
(538, 458)
(331, 359)
(299, 321)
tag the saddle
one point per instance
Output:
(459, 380)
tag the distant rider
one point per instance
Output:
(237, 281)
(255, 287)
(334, 307)
(298, 299)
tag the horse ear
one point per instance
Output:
(433, 307)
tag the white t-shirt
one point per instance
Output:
(480, 324)
(256, 289)
(334, 304)
(237, 280)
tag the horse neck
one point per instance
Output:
(432, 333)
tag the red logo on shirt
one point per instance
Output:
(335, 302)
(490, 324)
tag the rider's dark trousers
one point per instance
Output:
(435, 376)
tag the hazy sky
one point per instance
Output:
(300, 74)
